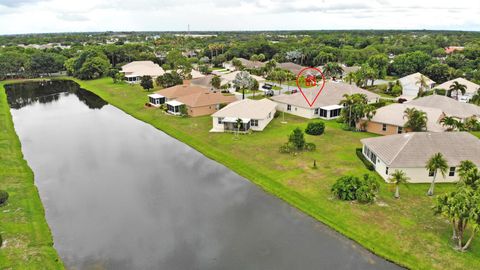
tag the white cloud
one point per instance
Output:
(27, 16)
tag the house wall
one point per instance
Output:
(202, 110)
(299, 111)
(374, 127)
(216, 125)
(262, 123)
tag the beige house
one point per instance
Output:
(411, 86)
(230, 77)
(391, 119)
(201, 103)
(135, 70)
(326, 106)
(472, 88)
(449, 106)
(410, 152)
(255, 115)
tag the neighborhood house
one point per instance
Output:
(410, 152)
(449, 106)
(135, 70)
(254, 115)
(471, 88)
(326, 106)
(411, 84)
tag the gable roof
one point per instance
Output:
(251, 64)
(471, 86)
(205, 98)
(449, 106)
(412, 150)
(204, 81)
(292, 67)
(180, 91)
(247, 108)
(229, 77)
(332, 93)
(142, 68)
(393, 114)
(412, 79)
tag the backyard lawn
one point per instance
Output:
(27, 239)
(404, 231)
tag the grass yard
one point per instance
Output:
(404, 231)
(27, 238)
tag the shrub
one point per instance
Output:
(297, 139)
(310, 146)
(286, 148)
(350, 188)
(315, 128)
(276, 115)
(367, 163)
(3, 197)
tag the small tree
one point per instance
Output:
(398, 177)
(416, 119)
(183, 110)
(315, 128)
(350, 188)
(297, 139)
(216, 82)
(435, 164)
(146, 82)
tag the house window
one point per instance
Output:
(386, 170)
(269, 115)
(384, 127)
(289, 107)
(254, 123)
(431, 173)
(452, 171)
(220, 120)
(323, 113)
(335, 113)
(399, 130)
(317, 110)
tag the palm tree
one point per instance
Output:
(456, 86)
(465, 167)
(436, 163)
(332, 69)
(239, 123)
(423, 85)
(476, 98)
(417, 119)
(398, 177)
(351, 77)
(348, 101)
(449, 122)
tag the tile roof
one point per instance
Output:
(449, 106)
(247, 108)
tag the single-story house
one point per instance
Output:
(391, 119)
(255, 115)
(292, 67)
(135, 70)
(410, 152)
(326, 106)
(245, 62)
(411, 86)
(449, 106)
(201, 103)
(181, 90)
(204, 81)
(472, 88)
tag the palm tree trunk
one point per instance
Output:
(397, 193)
(432, 185)
(469, 239)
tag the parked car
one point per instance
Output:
(294, 91)
(267, 86)
(269, 93)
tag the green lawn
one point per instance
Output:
(27, 239)
(404, 230)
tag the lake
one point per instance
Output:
(120, 194)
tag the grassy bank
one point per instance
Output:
(27, 238)
(404, 231)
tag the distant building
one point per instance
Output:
(410, 152)
(449, 106)
(135, 70)
(326, 106)
(411, 86)
(292, 67)
(245, 62)
(472, 88)
(451, 49)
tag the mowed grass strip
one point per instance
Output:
(27, 238)
(404, 231)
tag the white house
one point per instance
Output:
(471, 88)
(255, 115)
(326, 106)
(410, 84)
(410, 152)
(135, 70)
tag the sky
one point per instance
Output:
(42, 16)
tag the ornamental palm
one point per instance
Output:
(476, 98)
(398, 177)
(423, 85)
(416, 119)
(456, 86)
(449, 122)
(435, 164)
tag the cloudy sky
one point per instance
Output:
(39, 16)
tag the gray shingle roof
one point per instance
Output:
(412, 150)
(449, 106)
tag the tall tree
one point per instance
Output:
(146, 82)
(435, 164)
(457, 87)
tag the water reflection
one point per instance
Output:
(120, 194)
(23, 94)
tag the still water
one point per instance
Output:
(120, 194)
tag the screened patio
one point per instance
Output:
(230, 124)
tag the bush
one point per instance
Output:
(3, 197)
(286, 148)
(315, 128)
(310, 147)
(350, 188)
(367, 163)
(276, 115)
